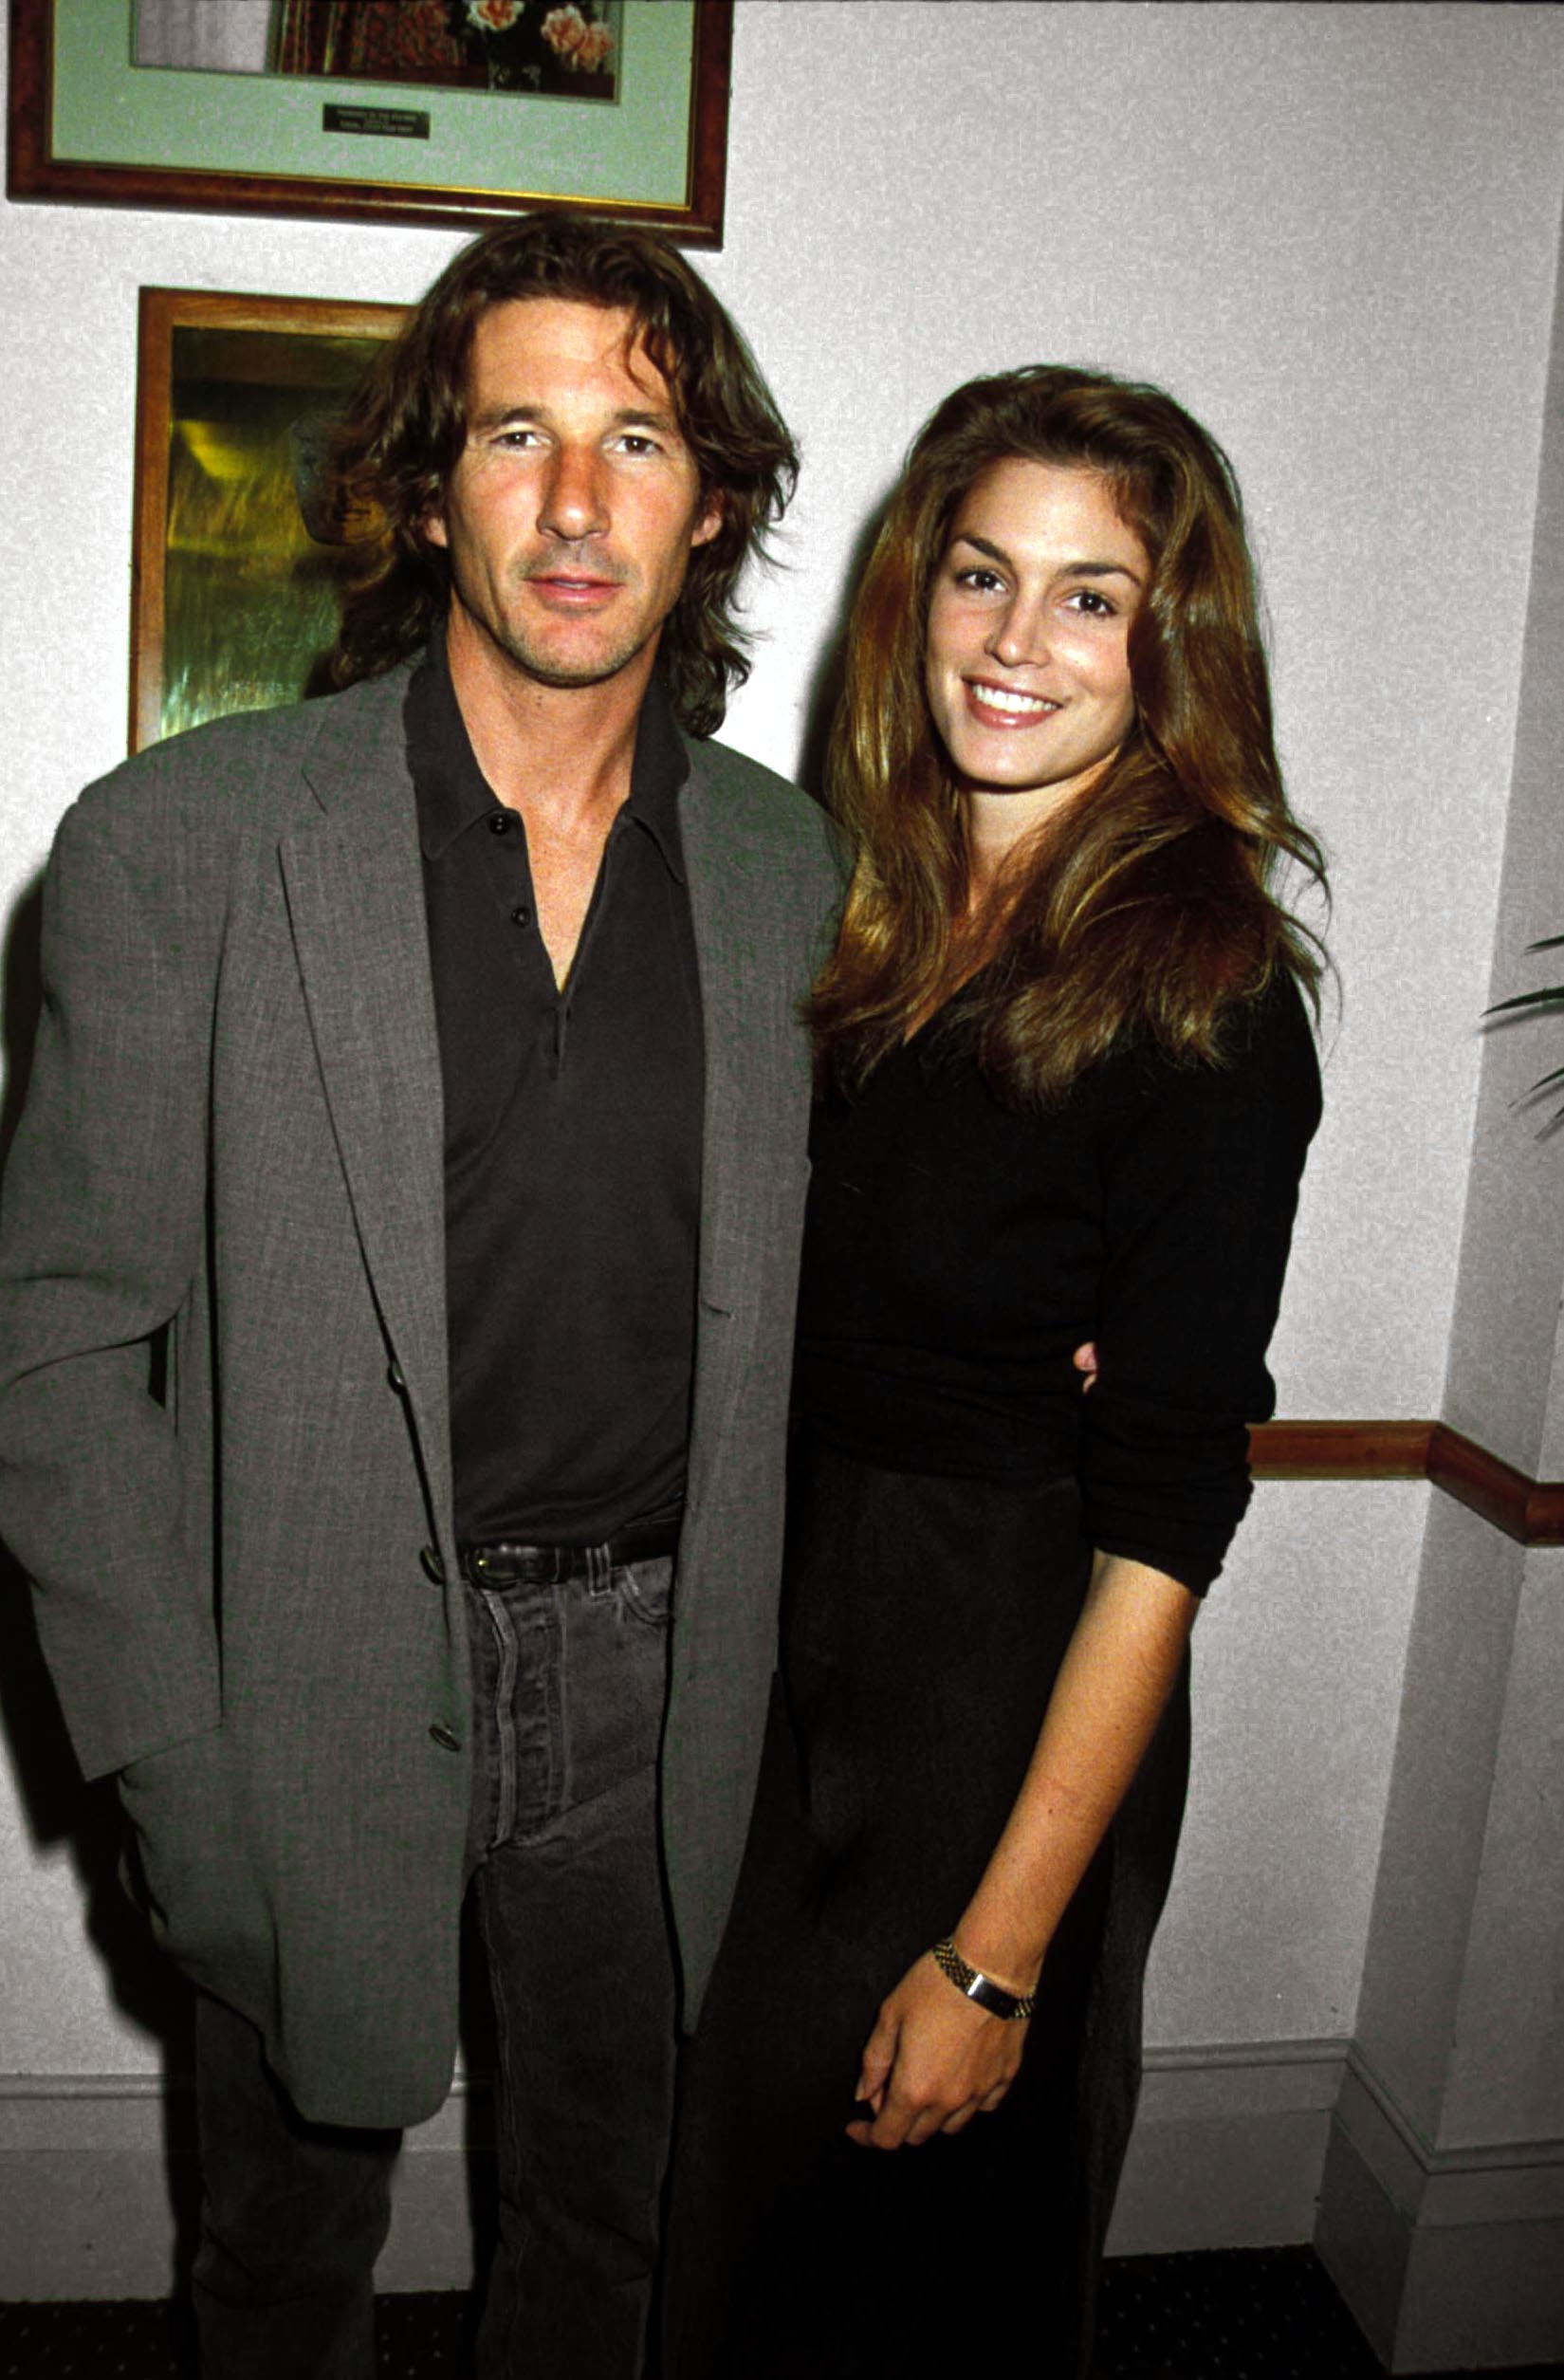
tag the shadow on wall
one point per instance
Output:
(62, 1812)
(19, 1005)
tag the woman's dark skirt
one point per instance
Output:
(924, 1622)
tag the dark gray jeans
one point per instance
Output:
(569, 1684)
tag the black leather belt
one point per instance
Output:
(504, 1564)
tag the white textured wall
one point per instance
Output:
(1503, 1382)
(1461, 1998)
(1333, 232)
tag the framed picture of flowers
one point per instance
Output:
(429, 111)
(239, 544)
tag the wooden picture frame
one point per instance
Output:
(86, 124)
(234, 595)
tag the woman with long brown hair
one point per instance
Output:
(1067, 1082)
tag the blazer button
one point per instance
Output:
(446, 1738)
(434, 1567)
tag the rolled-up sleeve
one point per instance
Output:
(1201, 1173)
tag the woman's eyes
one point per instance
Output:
(1087, 603)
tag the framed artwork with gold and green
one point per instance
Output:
(239, 547)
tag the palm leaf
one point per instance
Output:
(1551, 996)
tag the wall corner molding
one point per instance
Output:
(1449, 2259)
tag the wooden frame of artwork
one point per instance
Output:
(87, 124)
(234, 595)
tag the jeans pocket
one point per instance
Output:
(646, 1590)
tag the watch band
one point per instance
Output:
(979, 1988)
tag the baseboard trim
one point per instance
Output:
(1229, 2146)
(1450, 2259)
(1226, 2153)
(98, 2175)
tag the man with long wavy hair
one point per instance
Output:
(421, 1066)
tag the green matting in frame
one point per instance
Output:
(86, 124)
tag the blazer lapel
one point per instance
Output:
(355, 899)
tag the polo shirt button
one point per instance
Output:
(434, 1567)
(500, 823)
(446, 1738)
(521, 916)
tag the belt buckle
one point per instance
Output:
(497, 1565)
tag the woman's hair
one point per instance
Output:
(1143, 908)
(407, 427)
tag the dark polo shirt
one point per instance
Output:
(572, 1146)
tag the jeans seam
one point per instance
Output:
(504, 1716)
(562, 1748)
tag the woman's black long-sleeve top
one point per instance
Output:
(956, 1253)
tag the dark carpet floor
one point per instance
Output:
(1259, 2314)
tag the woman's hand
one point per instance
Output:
(935, 2059)
(932, 2062)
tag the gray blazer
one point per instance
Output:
(247, 1593)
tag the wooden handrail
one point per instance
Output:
(1528, 1510)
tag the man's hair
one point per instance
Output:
(407, 427)
(1145, 907)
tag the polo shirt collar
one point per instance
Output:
(452, 793)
